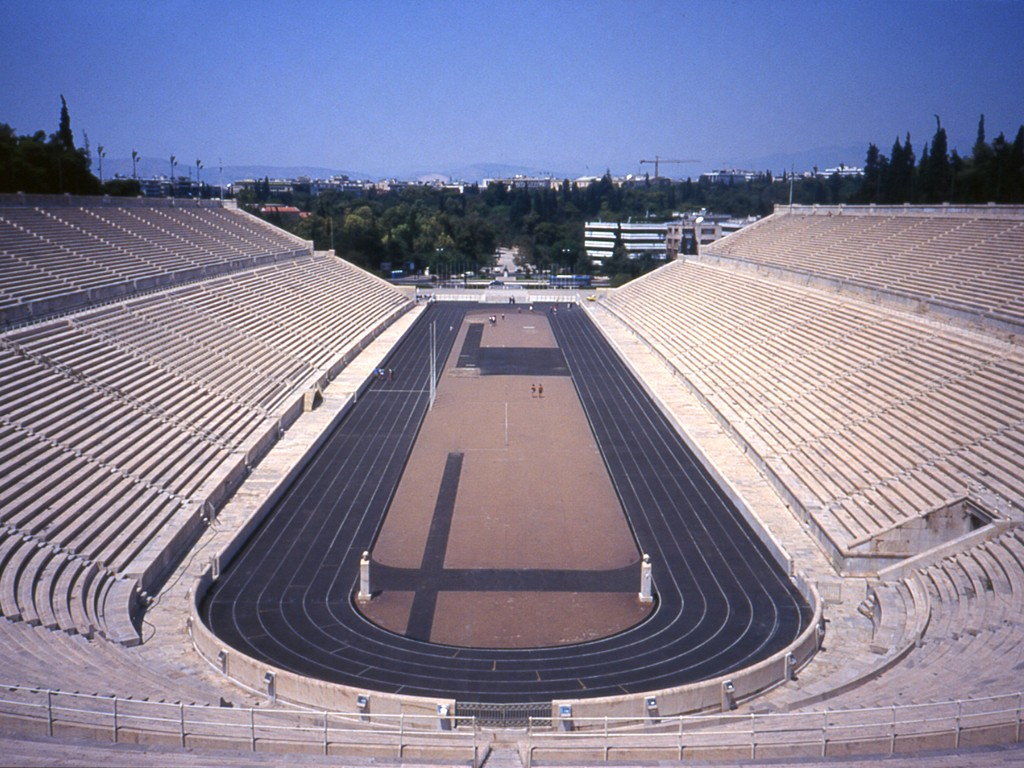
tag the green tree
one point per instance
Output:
(976, 175)
(875, 170)
(899, 186)
(65, 138)
(39, 164)
(1015, 185)
(935, 173)
(122, 188)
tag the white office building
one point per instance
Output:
(638, 239)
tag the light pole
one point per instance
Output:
(101, 153)
(199, 185)
(135, 160)
(433, 365)
(174, 162)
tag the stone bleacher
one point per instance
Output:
(125, 424)
(944, 626)
(882, 420)
(96, 667)
(868, 418)
(973, 642)
(966, 259)
(62, 253)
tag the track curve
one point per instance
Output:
(723, 603)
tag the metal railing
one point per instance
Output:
(39, 711)
(874, 730)
(954, 724)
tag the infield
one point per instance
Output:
(520, 541)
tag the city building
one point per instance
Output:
(729, 176)
(638, 239)
(686, 230)
(182, 186)
(304, 185)
(276, 186)
(526, 182)
(847, 171)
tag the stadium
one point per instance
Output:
(766, 503)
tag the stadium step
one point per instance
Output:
(118, 607)
(895, 606)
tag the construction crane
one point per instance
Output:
(658, 160)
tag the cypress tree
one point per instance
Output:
(902, 168)
(1016, 169)
(909, 191)
(980, 147)
(1001, 176)
(924, 174)
(894, 178)
(936, 177)
(871, 189)
(65, 138)
(977, 186)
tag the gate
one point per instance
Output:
(505, 715)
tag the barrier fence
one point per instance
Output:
(947, 725)
(37, 711)
(523, 297)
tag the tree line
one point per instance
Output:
(40, 164)
(450, 231)
(993, 172)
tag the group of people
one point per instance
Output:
(536, 390)
(385, 373)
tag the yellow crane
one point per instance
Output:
(658, 160)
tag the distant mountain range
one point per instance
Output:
(148, 167)
(481, 171)
(805, 160)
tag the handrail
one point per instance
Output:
(867, 730)
(114, 719)
(988, 720)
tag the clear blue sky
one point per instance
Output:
(396, 86)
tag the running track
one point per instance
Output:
(723, 603)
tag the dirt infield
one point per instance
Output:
(533, 548)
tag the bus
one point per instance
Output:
(569, 281)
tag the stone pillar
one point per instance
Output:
(790, 666)
(646, 581)
(365, 592)
(728, 696)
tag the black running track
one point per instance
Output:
(722, 602)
